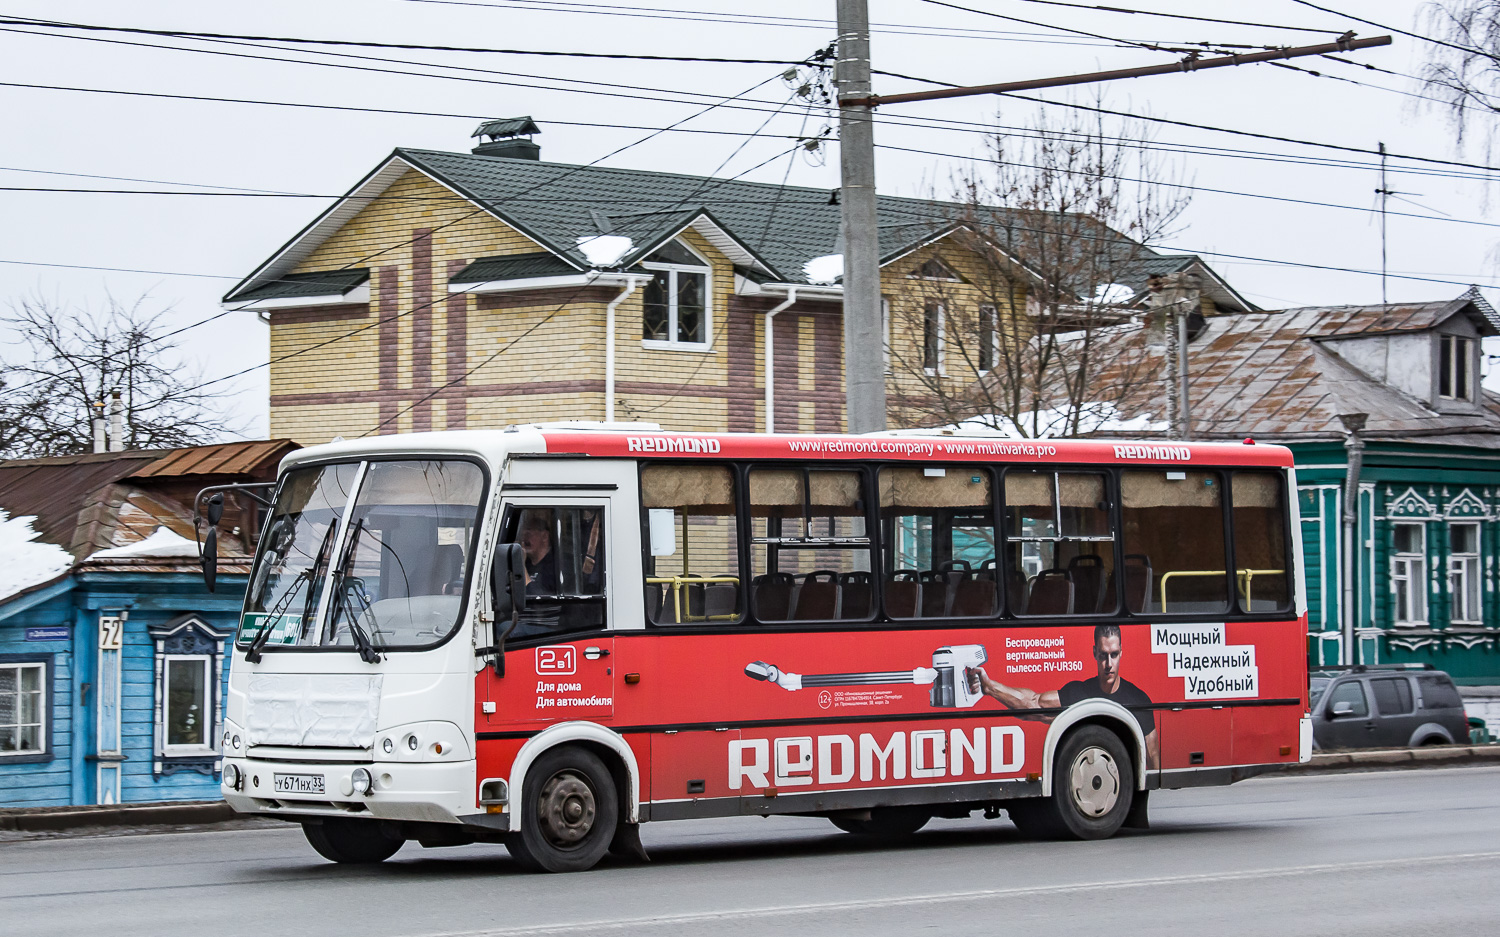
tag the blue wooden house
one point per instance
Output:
(112, 667)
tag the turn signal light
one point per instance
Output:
(632, 678)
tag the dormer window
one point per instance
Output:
(676, 313)
(935, 269)
(1455, 367)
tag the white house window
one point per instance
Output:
(1463, 572)
(1408, 564)
(23, 709)
(989, 339)
(932, 338)
(186, 717)
(1455, 377)
(677, 297)
(189, 672)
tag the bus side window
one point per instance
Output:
(1174, 537)
(1059, 544)
(938, 522)
(810, 551)
(1260, 568)
(565, 552)
(690, 527)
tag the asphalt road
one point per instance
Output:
(1398, 853)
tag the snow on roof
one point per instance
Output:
(605, 250)
(23, 561)
(162, 543)
(825, 269)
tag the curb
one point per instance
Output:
(1395, 759)
(53, 819)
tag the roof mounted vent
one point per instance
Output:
(510, 138)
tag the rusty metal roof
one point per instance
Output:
(1279, 375)
(93, 501)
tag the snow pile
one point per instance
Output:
(826, 269)
(162, 544)
(1112, 294)
(1056, 423)
(24, 562)
(605, 250)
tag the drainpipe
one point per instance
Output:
(1354, 453)
(791, 297)
(609, 347)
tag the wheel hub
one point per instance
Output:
(1095, 782)
(566, 809)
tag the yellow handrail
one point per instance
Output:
(677, 582)
(1246, 578)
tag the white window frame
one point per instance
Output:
(1451, 350)
(205, 712)
(1411, 569)
(707, 271)
(989, 318)
(41, 724)
(1464, 578)
(885, 324)
(942, 317)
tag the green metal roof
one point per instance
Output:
(303, 285)
(507, 127)
(514, 267)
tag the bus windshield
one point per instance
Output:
(379, 548)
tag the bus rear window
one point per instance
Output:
(1260, 566)
(1174, 534)
(692, 536)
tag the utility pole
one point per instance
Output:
(1385, 193)
(864, 367)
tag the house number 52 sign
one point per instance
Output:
(111, 628)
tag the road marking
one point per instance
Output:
(668, 920)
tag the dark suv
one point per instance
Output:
(1375, 707)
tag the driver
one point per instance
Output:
(541, 561)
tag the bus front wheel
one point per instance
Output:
(351, 842)
(569, 812)
(1093, 786)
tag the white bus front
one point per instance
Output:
(352, 684)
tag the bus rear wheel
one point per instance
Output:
(351, 842)
(886, 822)
(569, 812)
(1093, 786)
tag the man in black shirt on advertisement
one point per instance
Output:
(1107, 685)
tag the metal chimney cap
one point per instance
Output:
(1353, 422)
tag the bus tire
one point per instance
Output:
(569, 812)
(1093, 787)
(352, 842)
(886, 822)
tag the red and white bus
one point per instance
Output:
(548, 636)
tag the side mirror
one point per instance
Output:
(508, 595)
(1342, 708)
(210, 557)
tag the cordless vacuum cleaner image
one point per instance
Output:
(948, 676)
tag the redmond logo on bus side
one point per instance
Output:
(670, 444)
(790, 762)
(1155, 453)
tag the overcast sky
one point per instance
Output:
(197, 246)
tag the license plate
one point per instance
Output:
(299, 783)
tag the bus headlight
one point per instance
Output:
(234, 778)
(362, 782)
(388, 745)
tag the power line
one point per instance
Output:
(1394, 29)
(1154, 47)
(158, 273)
(1180, 16)
(186, 34)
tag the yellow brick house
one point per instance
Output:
(482, 289)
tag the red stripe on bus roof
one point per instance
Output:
(915, 448)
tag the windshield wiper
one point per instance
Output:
(252, 651)
(342, 584)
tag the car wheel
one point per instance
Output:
(1093, 786)
(351, 842)
(569, 812)
(886, 822)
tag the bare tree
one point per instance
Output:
(1012, 328)
(1464, 71)
(72, 359)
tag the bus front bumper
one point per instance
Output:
(435, 793)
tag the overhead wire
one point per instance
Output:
(1394, 29)
(1179, 16)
